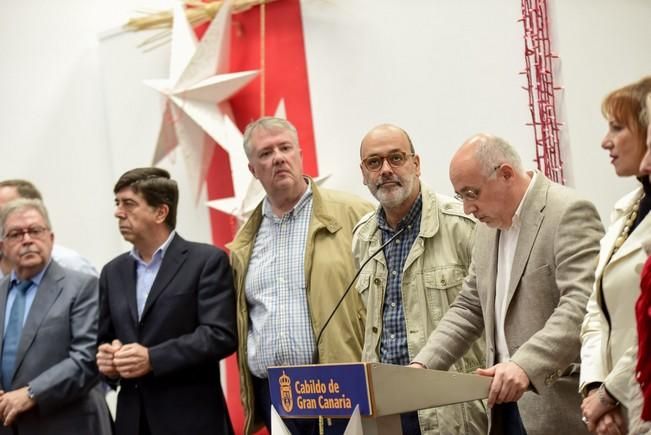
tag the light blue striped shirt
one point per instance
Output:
(29, 295)
(146, 272)
(280, 331)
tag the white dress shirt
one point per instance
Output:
(506, 253)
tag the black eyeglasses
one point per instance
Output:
(472, 193)
(18, 235)
(395, 159)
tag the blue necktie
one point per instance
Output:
(12, 334)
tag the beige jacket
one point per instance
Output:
(434, 270)
(329, 269)
(609, 348)
(551, 280)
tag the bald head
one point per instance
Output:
(386, 130)
(488, 151)
(487, 174)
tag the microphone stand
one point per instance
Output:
(315, 354)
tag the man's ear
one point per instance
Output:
(161, 213)
(417, 163)
(506, 171)
(252, 170)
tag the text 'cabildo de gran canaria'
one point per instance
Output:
(314, 394)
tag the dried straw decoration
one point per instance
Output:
(197, 12)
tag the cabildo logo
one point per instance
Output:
(286, 392)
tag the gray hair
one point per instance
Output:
(267, 123)
(22, 204)
(493, 151)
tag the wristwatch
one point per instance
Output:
(30, 393)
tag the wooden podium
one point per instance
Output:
(382, 392)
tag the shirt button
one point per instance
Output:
(393, 336)
(394, 273)
(397, 240)
(393, 304)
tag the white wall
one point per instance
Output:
(442, 70)
(75, 115)
(603, 45)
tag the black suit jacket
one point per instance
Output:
(188, 325)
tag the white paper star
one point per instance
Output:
(196, 94)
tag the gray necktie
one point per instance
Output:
(12, 334)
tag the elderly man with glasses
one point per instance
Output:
(531, 275)
(410, 284)
(48, 324)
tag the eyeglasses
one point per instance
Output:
(18, 235)
(395, 159)
(472, 193)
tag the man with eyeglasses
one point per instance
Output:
(48, 321)
(291, 263)
(408, 287)
(66, 257)
(531, 275)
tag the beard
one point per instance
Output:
(394, 194)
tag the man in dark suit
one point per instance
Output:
(167, 316)
(528, 285)
(48, 321)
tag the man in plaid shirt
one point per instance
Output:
(408, 287)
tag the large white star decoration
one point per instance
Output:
(196, 95)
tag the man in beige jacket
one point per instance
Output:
(531, 275)
(291, 263)
(410, 284)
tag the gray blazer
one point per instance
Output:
(551, 281)
(56, 357)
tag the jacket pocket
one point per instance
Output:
(441, 288)
(363, 284)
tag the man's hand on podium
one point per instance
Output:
(509, 382)
(417, 365)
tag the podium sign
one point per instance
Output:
(328, 390)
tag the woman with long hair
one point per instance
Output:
(609, 335)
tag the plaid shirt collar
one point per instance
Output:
(300, 205)
(408, 221)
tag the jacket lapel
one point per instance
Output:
(635, 240)
(4, 291)
(47, 293)
(129, 279)
(492, 243)
(175, 256)
(618, 218)
(531, 219)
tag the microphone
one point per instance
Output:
(315, 354)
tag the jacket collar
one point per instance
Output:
(320, 216)
(48, 292)
(531, 217)
(429, 220)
